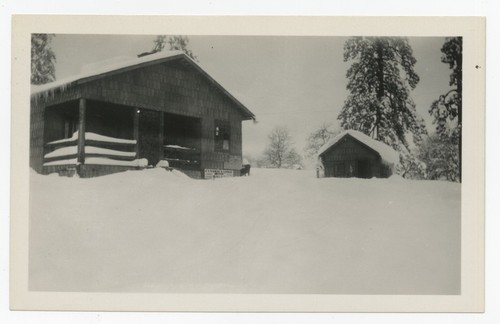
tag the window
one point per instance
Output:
(222, 136)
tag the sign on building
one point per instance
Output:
(217, 173)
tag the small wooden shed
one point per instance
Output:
(354, 154)
(137, 112)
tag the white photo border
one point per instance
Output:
(472, 29)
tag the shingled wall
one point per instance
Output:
(173, 87)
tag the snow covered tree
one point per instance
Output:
(176, 42)
(379, 83)
(280, 151)
(410, 167)
(43, 59)
(318, 138)
(441, 157)
(447, 110)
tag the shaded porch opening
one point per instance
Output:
(61, 121)
(108, 119)
(182, 141)
(117, 137)
(108, 139)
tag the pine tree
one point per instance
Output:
(43, 59)
(175, 43)
(159, 43)
(379, 83)
(447, 110)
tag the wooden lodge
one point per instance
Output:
(354, 154)
(137, 113)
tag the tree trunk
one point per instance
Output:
(380, 88)
(459, 90)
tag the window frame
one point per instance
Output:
(222, 136)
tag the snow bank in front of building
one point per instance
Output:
(386, 152)
(107, 161)
(162, 164)
(276, 231)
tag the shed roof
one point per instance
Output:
(122, 64)
(386, 152)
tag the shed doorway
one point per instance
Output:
(339, 170)
(364, 169)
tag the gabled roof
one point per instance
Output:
(95, 71)
(386, 152)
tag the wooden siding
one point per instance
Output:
(351, 158)
(170, 87)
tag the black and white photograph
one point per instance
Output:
(185, 163)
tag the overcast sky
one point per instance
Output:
(294, 81)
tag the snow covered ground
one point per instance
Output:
(277, 231)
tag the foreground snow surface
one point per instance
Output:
(276, 231)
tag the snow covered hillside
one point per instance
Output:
(277, 231)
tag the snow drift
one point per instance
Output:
(277, 231)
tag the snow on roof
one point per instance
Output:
(386, 152)
(102, 67)
(121, 62)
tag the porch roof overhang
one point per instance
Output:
(128, 65)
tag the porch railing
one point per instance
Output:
(182, 157)
(65, 151)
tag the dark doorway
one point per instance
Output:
(339, 170)
(149, 136)
(364, 169)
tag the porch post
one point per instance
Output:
(137, 112)
(162, 125)
(82, 112)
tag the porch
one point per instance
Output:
(93, 138)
